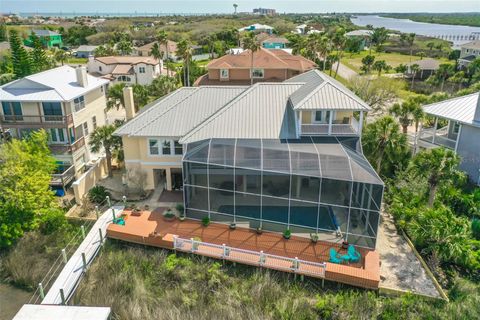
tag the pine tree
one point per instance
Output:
(39, 57)
(20, 58)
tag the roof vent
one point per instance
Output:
(82, 78)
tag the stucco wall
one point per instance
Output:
(89, 179)
(469, 151)
(307, 116)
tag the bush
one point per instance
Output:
(169, 214)
(476, 228)
(205, 221)
(51, 220)
(287, 234)
(98, 194)
(180, 208)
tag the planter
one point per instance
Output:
(232, 226)
(181, 218)
(169, 216)
(345, 245)
(259, 231)
(136, 212)
(146, 207)
(314, 237)
(287, 234)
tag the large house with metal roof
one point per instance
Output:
(67, 103)
(456, 127)
(274, 156)
(469, 52)
(49, 39)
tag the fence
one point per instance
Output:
(89, 179)
(255, 258)
(60, 282)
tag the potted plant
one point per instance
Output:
(314, 237)
(287, 234)
(232, 226)
(205, 221)
(168, 215)
(181, 217)
(146, 207)
(259, 230)
(136, 211)
(345, 244)
(180, 208)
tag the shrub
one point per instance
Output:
(51, 220)
(98, 194)
(205, 221)
(287, 234)
(476, 228)
(180, 208)
(169, 214)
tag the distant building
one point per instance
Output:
(469, 52)
(427, 67)
(272, 42)
(364, 35)
(48, 38)
(273, 65)
(126, 69)
(144, 51)
(257, 28)
(265, 11)
(85, 51)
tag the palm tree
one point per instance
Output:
(60, 56)
(437, 165)
(322, 48)
(414, 68)
(184, 50)
(379, 36)
(380, 66)
(339, 40)
(444, 71)
(382, 140)
(115, 96)
(103, 138)
(250, 43)
(162, 38)
(407, 112)
(235, 6)
(410, 38)
(156, 52)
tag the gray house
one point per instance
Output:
(456, 127)
(85, 51)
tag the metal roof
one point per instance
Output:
(472, 45)
(58, 84)
(262, 111)
(43, 33)
(177, 114)
(461, 109)
(321, 92)
(48, 312)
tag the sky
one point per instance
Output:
(226, 6)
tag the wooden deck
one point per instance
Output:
(151, 229)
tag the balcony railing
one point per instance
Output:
(67, 148)
(64, 177)
(38, 121)
(338, 128)
(438, 137)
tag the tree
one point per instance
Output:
(367, 63)
(115, 96)
(414, 68)
(140, 96)
(162, 39)
(21, 62)
(184, 50)
(105, 51)
(103, 138)
(444, 71)
(250, 43)
(401, 68)
(3, 32)
(407, 112)
(380, 66)
(60, 56)
(161, 86)
(437, 165)
(77, 35)
(125, 47)
(38, 55)
(430, 46)
(25, 169)
(410, 39)
(421, 54)
(379, 37)
(156, 52)
(385, 146)
(339, 40)
(377, 93)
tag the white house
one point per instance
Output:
(126, 69)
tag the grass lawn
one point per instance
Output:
(77, 60)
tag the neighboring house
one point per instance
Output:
(364, 35)
(272, 42)
(272, 65)
(461, 134)
(144, 51)
(126, 69)
(85, 51)
(273, 155)
(265, 11)
(48, 38)
(469, 52)
(257, 28)
(301, 29)
(427, 67)
(66, 102)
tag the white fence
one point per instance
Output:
(256, 258)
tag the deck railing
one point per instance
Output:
(261, 259)
(36, 120)
(62, 179)
(438, 137)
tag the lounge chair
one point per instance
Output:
(335, 257)
(353, 254)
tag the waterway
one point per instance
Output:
(420, 28)
(11, 300)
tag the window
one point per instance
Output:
(85, 129)
(141, 69)
(456, 127)
(166, 147)
(257, 73)
(124, 78)
(52, 111)
(153, 146)
(321, 116)
(318, 116)
(57, 135)
(12, 110)
(100, 68)
(224, 73)
(79, 103)
(94, 122)
(178, 148)
(101, 89)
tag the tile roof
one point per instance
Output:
(123, 69)
(58, 84)
(462, 109)
(172, 47)
(263, 58)
(127, 60)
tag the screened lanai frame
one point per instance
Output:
(337, 164)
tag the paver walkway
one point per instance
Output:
(400, 268)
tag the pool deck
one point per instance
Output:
(150, 228)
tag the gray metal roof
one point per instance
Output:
(43, 33)
(180, 112)
(461, 109)
(262, 111)
(323, 92)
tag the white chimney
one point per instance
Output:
(82, 78)
(129, 103)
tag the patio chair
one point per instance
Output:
(335, 257)
(353, 254)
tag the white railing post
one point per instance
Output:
(124, 199)
(295, 264)
(101, 235)
(224, 254)
(262, 259)
(64, 255)
(82, 228)
(435, 130)
(330, 121)
(42, 292)
(175, 242)
(193, 245)
(96, 212)
(108, 201)
(62, 296)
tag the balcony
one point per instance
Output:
(337, 128)
(64, 175)
(437, 138)
(28, 121)
(67, 148)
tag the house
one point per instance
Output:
(272, 42)
(272, 65)
(273, 155)
(469, 52)
(301, 29)
(85, 51)
(456, 127)
(66, 102)
(257, 28)
(126, 69)
(426, 66)
(364, 35)
(144, 51)
(48, 38)
(265, 11)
